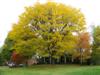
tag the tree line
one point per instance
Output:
(52, 33)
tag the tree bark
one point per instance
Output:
(65, 59)
(81, 59)
(44, 60)
(50, 60)
(72, 60)
(57, 60)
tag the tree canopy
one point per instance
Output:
(46, 30)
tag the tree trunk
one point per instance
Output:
(44, 60)
(65, 59)
(81, 56)
(50, 60)
(58, 61)
(81, 59)
(72, 60)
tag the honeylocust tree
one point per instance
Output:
(47, 30)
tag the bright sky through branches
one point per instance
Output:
(11, 9)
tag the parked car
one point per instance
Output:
(12, 64)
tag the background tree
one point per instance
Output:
(17, 59)
(84, 47)
(96, 45)
(7, 49)
(1, 57)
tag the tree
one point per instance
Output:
(84, 47)
(17, 59)
(96, 45)
(46, 30)
(1, 59)
(7, 49)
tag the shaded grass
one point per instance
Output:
(52, 70)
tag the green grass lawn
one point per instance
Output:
(52, 70)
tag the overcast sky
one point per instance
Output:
(11, 9)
